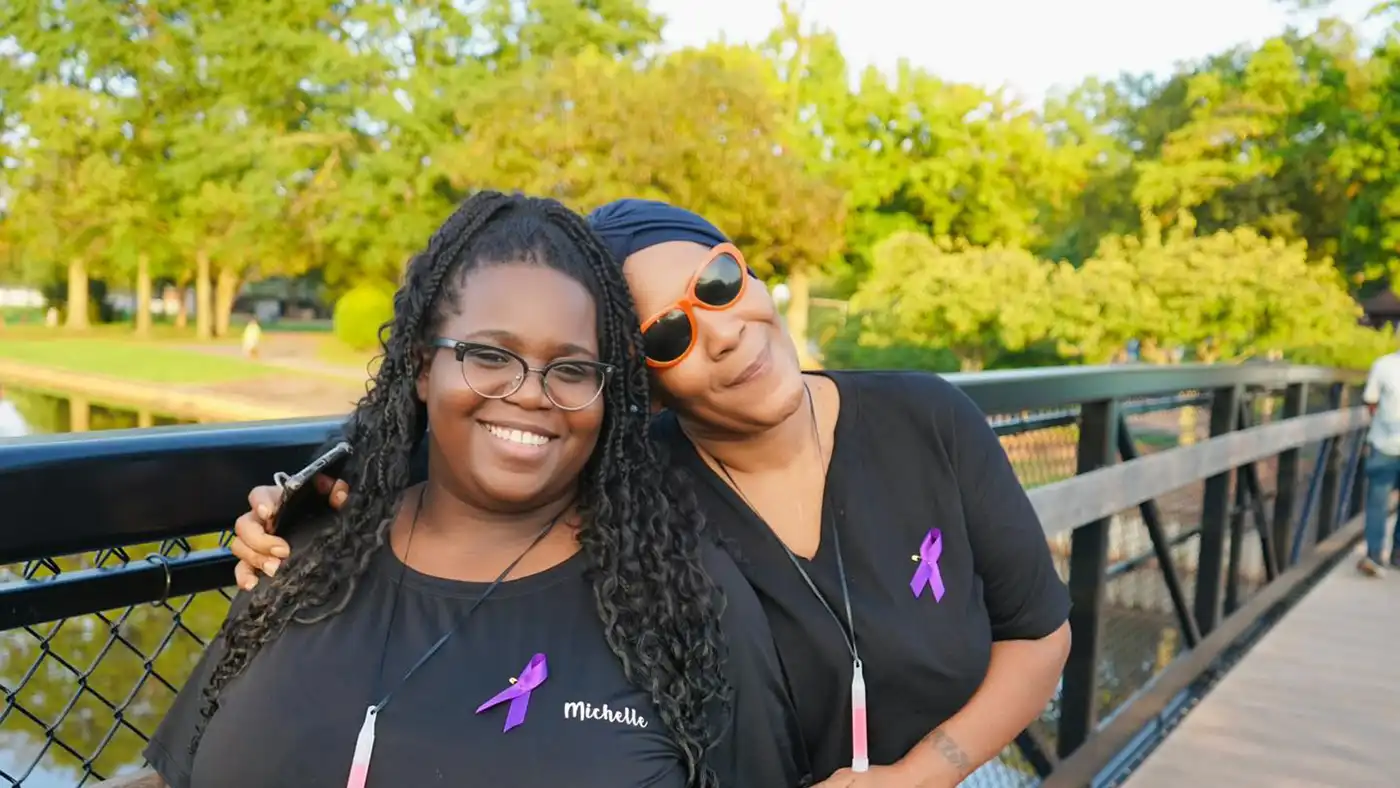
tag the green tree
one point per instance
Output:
(1226, 296)
(68, 183)
(977, 302)
(701, 129)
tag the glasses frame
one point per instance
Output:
(688, 302)
(459, 350)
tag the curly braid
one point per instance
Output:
(642, 530)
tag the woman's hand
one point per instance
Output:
(879, 777)
(253, 543)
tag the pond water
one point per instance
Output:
(49, 413)
(40, 667)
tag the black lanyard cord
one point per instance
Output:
(432, 650)
(848, 628)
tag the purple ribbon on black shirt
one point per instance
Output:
(927, 573)
(534, 674)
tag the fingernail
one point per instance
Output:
(340, 497)
(262, 511)
(250, 585)
(280, 551)
(270, 566)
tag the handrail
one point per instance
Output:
(1052, 387)
(1070, 503)
(131, 486)
(203, 472)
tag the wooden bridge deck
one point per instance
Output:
(1315, 703)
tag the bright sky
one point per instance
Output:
(1028, 45)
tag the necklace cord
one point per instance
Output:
(848, 627)
(403, 572)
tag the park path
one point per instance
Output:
(332, 388)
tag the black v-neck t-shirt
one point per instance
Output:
(911, 453)
(291, 719)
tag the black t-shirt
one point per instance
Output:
(292, 718)
(911, 453)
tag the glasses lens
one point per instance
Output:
(719, 281)
(574, 386)
(668, 338)
(490, 372)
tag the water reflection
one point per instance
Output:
(47, 413)
(82, 694)
(100, 683)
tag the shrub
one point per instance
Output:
(359, 314)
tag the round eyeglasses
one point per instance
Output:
(497, 373)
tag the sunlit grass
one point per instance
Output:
(132, 360)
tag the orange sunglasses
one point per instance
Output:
(718, 284)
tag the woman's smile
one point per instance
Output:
(518, 442)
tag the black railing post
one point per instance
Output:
(1215, 515)
(1088, 560)
(1161, 545)
(1295, 403)
(1236, 552)
(1329, 496)
(1358, 479)
(1356, 494)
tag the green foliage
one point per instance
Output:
(360, 313)
(1226, 296)
(285, 137)
(972, 301)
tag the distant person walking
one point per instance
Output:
(252, 336)
(1382, 398)
(12, 424)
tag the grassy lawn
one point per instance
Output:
(333, 351)
(130, 360)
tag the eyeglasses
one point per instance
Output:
(497, 373)
(718, 284)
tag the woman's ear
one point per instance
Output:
(425, 368)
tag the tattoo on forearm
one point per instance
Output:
(950, 751)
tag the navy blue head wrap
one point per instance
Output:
(631, 225)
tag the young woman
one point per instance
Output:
(543, 609)
(902, 568)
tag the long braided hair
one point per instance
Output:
(641, 530)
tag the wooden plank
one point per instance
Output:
(1067, 504)
(1079, 769)
(1315, 703)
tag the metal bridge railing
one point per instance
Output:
(1184, 505)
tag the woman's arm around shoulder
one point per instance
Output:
(757, 738)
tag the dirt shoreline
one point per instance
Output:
(264, 400)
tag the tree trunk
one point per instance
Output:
(143, 296)
(182, 312)
(77, 295)
(225, 292)
(798, 312)
(203, 297)
(971, 363)
(79, 414)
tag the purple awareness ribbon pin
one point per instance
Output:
(927, 573)
(534, 674)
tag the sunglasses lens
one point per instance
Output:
(668, 338)
(720, 281)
